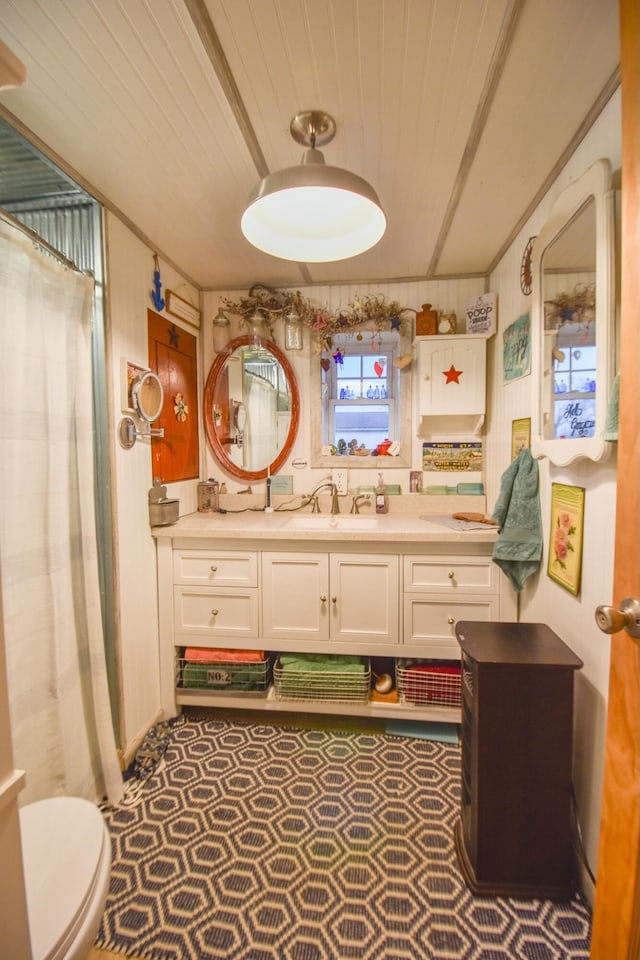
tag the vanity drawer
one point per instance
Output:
(440, 574)
(224, 568)
(221, 613)
(430, 621)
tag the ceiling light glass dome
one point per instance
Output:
(313, 213)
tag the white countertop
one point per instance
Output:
(299, 525)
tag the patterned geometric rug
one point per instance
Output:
(260, 842)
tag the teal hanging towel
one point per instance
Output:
(518, 549)
(611, 423)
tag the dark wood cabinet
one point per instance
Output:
(513, 837)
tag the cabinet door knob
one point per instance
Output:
(214, 613)
(323, 598)
(334, 599)
(213, 569)
(451, 620)
(451, 574)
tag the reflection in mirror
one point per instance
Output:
(148, 396)
(570, 349)
(572, 322)
(251, 408)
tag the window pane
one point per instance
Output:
(374, 366)
(349, 389)
(350, 367)
(368, 424)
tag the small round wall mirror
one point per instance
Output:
(147, 395)
(251, 408)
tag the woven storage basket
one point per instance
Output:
(426, 681)
(331, 685)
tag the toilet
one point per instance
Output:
(66, 852)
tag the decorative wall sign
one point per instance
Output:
(452, 456)
(566, 536)
(178, 307)
(516, 350)
(573, 418)
(480, 314)
(520, 435)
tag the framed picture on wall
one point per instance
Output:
(566, 536)
(516, 349)
(520, 435)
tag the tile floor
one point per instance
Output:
(291, 719)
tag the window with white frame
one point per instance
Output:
(360, 392)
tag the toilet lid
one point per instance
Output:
(63, 841)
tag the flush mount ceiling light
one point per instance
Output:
(313, 213)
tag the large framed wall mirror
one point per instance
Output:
(251, 408)
(573, 322)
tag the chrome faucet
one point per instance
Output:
(364, 497)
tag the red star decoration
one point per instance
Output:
(452, 375)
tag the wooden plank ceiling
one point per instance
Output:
(457, 111)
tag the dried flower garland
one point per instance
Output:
(578, 307)
(268, 304)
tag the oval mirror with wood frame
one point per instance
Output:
(251, 408)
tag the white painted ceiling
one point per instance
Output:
(458, 112)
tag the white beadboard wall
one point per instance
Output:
(543, 600)
(444, 295)
(130, 270)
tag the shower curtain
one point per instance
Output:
(57, 682)
(260, 400)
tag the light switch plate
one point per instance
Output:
(340, 478)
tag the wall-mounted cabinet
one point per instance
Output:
(451, 384)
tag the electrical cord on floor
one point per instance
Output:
(578, 833)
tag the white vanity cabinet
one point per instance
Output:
(439, 591)
(391, 593)
(215, 596)
(330, 596)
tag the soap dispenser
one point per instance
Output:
(382, 500)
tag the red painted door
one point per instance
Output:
(172, 355)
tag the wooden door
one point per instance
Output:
(172, 355)
(616, 924)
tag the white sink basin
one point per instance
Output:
(314, 521)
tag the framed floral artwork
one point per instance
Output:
(566, 536)
(520, 435)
